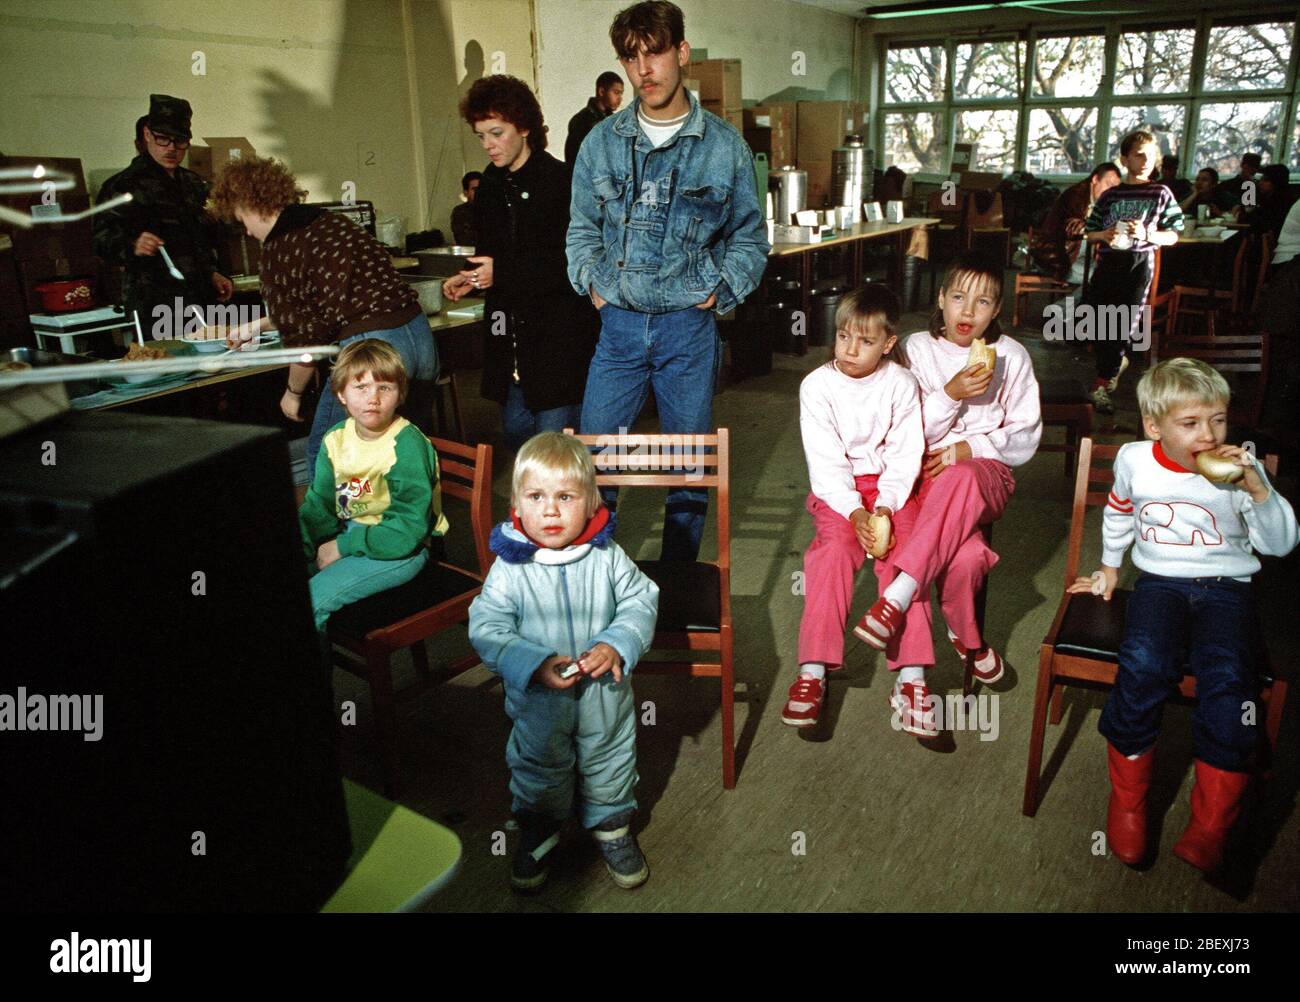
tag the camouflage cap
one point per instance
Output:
(170, 116)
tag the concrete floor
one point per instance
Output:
(849, 815)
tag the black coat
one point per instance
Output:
(533, 318)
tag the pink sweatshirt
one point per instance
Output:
(854, 427)
(1004, 423)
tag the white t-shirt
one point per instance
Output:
(659, 132)
(1288, 241)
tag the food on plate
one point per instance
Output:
(14, 366)
(143, 353)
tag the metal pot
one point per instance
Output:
(430, 292)
(789, 186)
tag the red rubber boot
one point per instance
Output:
(1126, 816)
(1216, 803)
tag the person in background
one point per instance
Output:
(374, 508)
(1274, 202)
(1232, 192)
(325, 280)
(609, 95)
(666, 229)
(462, 217)
(1205, 191)
(1130, 221)
(539, 334)
(141, 146)
(166, 210)
(1180, 186)
(1058, 238)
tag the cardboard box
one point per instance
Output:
(733, 115)
(719, 81)
(819, 182)
(209, 161)
(822, 126)
(779, 115)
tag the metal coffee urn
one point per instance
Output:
(789, 187)
(851, 172)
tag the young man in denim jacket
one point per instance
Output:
(665, 228)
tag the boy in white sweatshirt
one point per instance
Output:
(1192, 607)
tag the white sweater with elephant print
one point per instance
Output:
(1186, 526)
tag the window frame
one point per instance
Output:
(1193, 99)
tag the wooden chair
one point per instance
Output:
(981, 225)
(694, 598)
(1189, 301)
(1082, 645)
(1246, 353)
(947, 237)
(1030, 282)
(434, 600)
(1066, 403)
(1267, 245)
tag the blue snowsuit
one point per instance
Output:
(537, 602)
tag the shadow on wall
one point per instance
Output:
(838, 88)
(368, 105)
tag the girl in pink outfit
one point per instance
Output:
(860, 415)
(979, 422)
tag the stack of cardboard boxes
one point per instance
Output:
(772, 129)
(237, 253)
(822, 126)
(718, 86)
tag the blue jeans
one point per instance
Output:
(678, 354)
(414, 342)
(1207, 625)
(350, 579)
(520, 424)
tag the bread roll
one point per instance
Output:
(981, 354)
(1219, 469)
(880, 528)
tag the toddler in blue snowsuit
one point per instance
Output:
(563, 618)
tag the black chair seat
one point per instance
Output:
(690, 595)
(1093, 627)
(436, 583)
(1062, 391)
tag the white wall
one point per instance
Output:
(312, 82)
(574, 48)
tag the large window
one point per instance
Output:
(1070, 66)
(1056, 103)
(1164, 121)
(1061, 140)
(1228, 130)
(916, 142)
(1154, 61)
(1248, 56)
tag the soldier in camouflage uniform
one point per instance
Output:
(166, 209)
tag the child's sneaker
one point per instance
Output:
(538, 836)
(881, 622)
(623, 857)
(805, 702)
(915, 708)
(988, 662)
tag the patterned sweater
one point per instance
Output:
(1152, 203)
(324, 278)
(1184, 526)
(388, 487)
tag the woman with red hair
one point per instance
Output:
(539, 334)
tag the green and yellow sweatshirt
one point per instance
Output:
(387, 487)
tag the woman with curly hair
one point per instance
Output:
(325, 280)
(540, 335)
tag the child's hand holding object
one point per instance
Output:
(600, 659)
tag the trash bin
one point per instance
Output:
(823, 318)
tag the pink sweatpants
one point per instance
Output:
(829, 565)
(946, 547)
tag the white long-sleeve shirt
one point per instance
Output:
(854, 427)
(1185, 526)
(1288, 240)
(1005, 422)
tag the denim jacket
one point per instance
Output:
(660, 231)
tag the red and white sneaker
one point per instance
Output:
(988, 662)
(881, 622)
(915, 708)
(805, 702)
